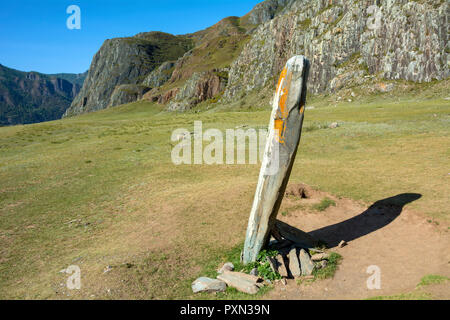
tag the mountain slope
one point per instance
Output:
(349, 43)
(125, 61)
(346, 46)
(29, 97)
(75, 78)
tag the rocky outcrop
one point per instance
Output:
(201, 86)
(266, 11)
(160, 75)
(346, 40)
(29, 97)
(127, 93)
(125, 61)
(348, 43)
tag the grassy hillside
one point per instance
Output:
(100, 189)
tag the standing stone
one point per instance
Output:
(204, 284)
(307, 265)
(294, 265)
(282, 142)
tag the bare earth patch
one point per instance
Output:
(402, 243)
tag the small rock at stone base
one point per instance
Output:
(254, 272)
(307, 266)
(294, 265)
(281, 265)
(238, 281)
(226, 267)
(341, 244)
(320, 256)
(204, 284)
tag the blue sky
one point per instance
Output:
(34, 36)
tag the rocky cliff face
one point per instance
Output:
(201, 86)
(347, 42)
(202, 73)
(125, 61)
(28, 97)
(266, 11)
(159, 76)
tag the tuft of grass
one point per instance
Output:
(432, 279)
(330, 269)
(404, 296)
(324, 204)
(263, 266)
(419, 293)
(324, 273)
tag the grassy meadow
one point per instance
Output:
(100, 191)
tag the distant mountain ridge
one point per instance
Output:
(349, 44)
(30, 97)
(345, 43)
(75, 78)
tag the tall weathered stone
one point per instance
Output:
(284, 136)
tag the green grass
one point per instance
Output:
(420, 292)
(111, 172)
(432, 279)
(233, 256)
(405, 296)
(330, 269)
(324, 273)
(324, 204)
(263, 266)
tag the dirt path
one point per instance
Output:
(402, 243)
